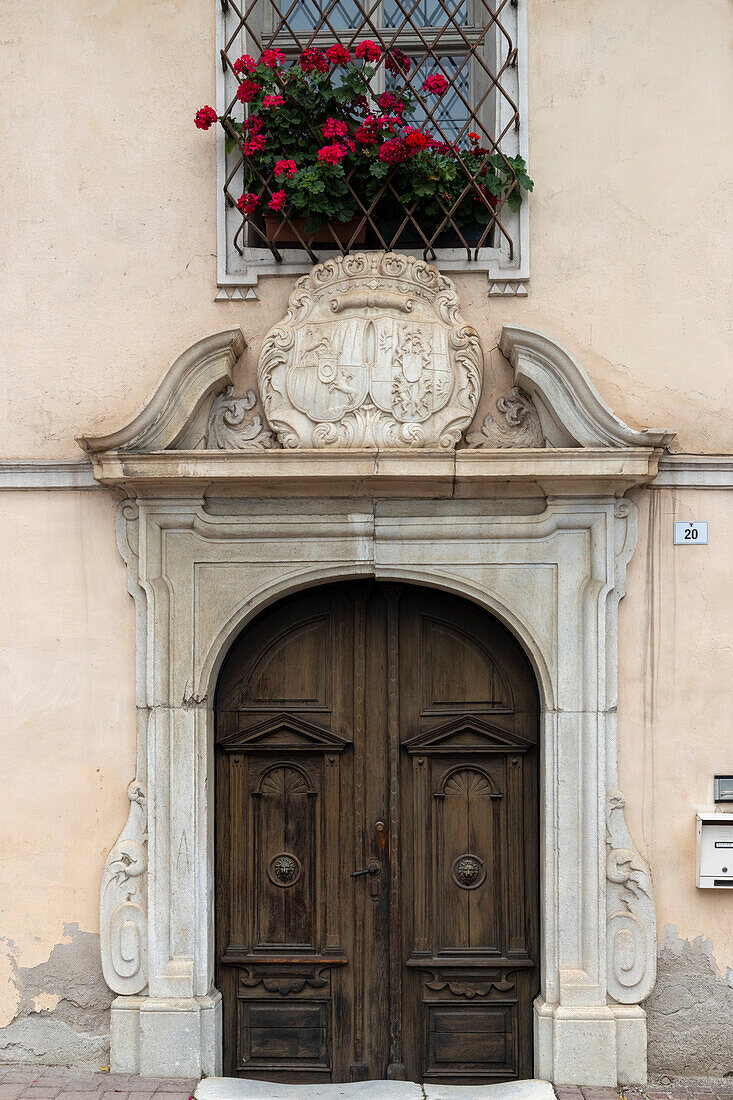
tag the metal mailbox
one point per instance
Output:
(715, 851)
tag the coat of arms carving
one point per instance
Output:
(373, 353)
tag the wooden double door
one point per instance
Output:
(377, 841)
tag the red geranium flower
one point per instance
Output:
(394, 151)
(474, 136)
(285, 168)
(278, 200)
(247, 202)
(368, 51)
(272, 101)
(205, 117)
(245, 64)
(338, 54)
(332, 154)
(397, 62)
(435, 84)
(334, 128)
(314, 59)
(368, 132)
(273, 58)
(247, 90)
(255, 145)
(388, 102)
(414, 139)
(390, 122)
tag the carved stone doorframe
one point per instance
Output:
(541, 538)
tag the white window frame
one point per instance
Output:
(237, 275)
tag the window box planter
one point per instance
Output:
(294, 232)
(408, 236)
(316, 143)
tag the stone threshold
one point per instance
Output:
(234, 1088)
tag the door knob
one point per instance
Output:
(372, 869)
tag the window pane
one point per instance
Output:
(426, 13)
(449, 112)
(306, 15)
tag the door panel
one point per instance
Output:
(388, 730)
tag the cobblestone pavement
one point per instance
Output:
(20, 1082)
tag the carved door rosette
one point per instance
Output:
(373, 353)
(123, 901)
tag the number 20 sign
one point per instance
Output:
(690, 534)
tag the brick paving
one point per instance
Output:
(23, 1082)
(20, 1082)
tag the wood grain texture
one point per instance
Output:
(377, 725)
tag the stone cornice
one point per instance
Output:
(466, 473)
(695, 472)
(678, 471)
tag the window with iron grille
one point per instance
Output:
(476, 47)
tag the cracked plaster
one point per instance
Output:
(690, 1010)
(57, 1012)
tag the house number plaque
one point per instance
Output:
(690, 534)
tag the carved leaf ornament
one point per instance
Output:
(519, 425)
(228, 429)
(373, 353)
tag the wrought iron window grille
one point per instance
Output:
(479, 46)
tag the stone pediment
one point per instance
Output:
(194, 407)
(373, 378)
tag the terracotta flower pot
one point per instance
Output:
(286, 232)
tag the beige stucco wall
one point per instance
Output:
(68, 737)
(108, 259)
(676, 686)
(108, 218)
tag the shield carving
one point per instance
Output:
(373, 354)
(411, 378)
(328, 377)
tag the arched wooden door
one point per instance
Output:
(377, 841)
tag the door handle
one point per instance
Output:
(372, 869)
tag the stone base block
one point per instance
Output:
(631, 1044)
(124, 1034)
(594, 1045)
(166, 1037)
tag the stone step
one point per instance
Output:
(235, 1088)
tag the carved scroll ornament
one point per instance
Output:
(228, 428)
(630, 923)
(472, 987)
(123, 901)
(285, 984)
(373, 353)
(519, 425)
